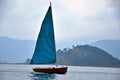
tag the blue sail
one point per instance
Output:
(45, 52)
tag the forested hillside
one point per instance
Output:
(86, 56)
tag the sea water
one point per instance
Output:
(24, 72)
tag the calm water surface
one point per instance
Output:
(24, 72)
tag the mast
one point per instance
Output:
(54, 36)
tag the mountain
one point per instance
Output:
(85, 55)
(15, 51)
(18, 51)
(111, 46)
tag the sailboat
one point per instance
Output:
(45, 50)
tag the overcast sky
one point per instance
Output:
(75, 21)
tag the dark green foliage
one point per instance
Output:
(27, 61)
(85, 55)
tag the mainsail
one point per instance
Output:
(45, 52)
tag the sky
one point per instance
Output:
(75, 21)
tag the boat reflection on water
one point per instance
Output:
(42, 76)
